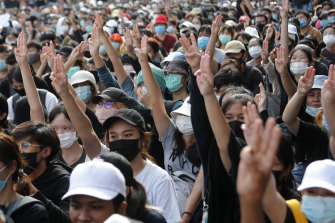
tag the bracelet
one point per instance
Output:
(188, 213)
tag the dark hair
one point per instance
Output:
(10, 59)
(15, 74)
(300, 11)
(308, 53)
(260, 41)
(244, 36)
(117, 201)
(43, 134)
(58, 109)
(48, 36)
(262, 15)
(136, 201)
(35, 45)
(227, 77)
(154, 44)
(237, 98)
(4, 48)
(200, 19)
(3, 109)
(327, 3)
(206, 28)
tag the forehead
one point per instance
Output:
(299, 53)
(301, 15)
(120, 126)
(60, 119)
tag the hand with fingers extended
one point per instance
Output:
(216, 25)
(23, 19)
(143, 97)
(270, 32)
(261, 98)
(128, 40)
(94, 42)
(328, 90)
(205, 77)
(265, 52)
(250, 115)
(21, 50)
(44, 55)
(284, 9)
(257, 160)
(59, 77)
(281, 61)
(142, 53)
(306, 82)
(136, 34)
(192, 52)
(78, 50)
(99, 23)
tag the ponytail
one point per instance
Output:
(136, 201)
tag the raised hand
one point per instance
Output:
(44, 55)
(269, 32)
(99, 22)
(59, 77)
(205, 77)
(23, 19)
(284, 9)
(328, 90)
(261, 98)
(306, 82)
(143, 97)
(142, 53)
(21, 50)
(128, 43)
(257, 160)
(136, 35)
(265, 52)
(94, 42)
(78, 50)
(281, 61)
(250, 115)
(191, 51)
(216, 25)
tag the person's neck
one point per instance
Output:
(38, 171)
(7, 195)
(138, 164)
(257, 61)
(3, 74)
(180, 94)
(304, 30)
(36, 66)
(72, 155)
(161, 36)
(223, 46)
(331, 49)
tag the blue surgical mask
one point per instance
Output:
(312, 111)
(303, 22)
(173, 82)
(324, 123)
(323, 23)
(218, 97)
(159, 29)
(3, 65)
(318, 209)
(3, 182)
(88, 28)
(331, 18)
(274, 16)
(170, 29)
(112, 29)
(84, 93)
(102, 50)
(116, 45)
(224, 39)
(203, 42)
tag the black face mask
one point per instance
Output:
(126, 147)
(33, 58)
(276, 174)
(31, 160)
(236, 128)
(21, 92)
(260, 27)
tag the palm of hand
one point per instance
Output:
(21, 54)
(94, 46)
(280, 65)
(328, 91)
(205, 83)
(304, 85)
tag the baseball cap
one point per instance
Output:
(319, 80)
(112, 94)
(187, 24)
(292, 29)
(130, 116)
(82, 76)
(96, 179)
(161, 19)
(234, 46)
(252, 31)
(177, 66)
(185, 109)
(319, 174)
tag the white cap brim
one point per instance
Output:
(100, 193)
(316, 183)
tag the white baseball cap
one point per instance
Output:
(318, 81)
(252, 31)
(185, 109)
(96, 179)
(319, 174)
(82, 76)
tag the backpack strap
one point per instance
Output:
(20, 203)
(295, 207)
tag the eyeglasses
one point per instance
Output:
(107, 104)
(26, 145)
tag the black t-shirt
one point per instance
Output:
(320, 68)
(328, 55)
(251, 78)
(152, 216)
(32, 213)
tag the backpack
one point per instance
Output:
(42, 93)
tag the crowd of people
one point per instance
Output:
(167, 111)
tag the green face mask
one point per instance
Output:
(173, 82)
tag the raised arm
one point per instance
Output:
(328, 104)
(36, 110)
(161, 118)
(284, 26)
(191, 52)
(128, 43)
(80, 121)
(216, 118)
(94, 45)
(290, 115)
(210, 49)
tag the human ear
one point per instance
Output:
(122, 208)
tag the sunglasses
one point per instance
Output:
(107, 104)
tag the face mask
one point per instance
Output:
(331, 19)
(33, 58)
(88, 28)
(72, 71)
(82, 23)
(274, 16)
(324, 123)
(21, 92)
(31, 160)
(7, 41)
(318, 209)
(323, 23)
(298, 68)
(159, 29)
(291, 36)
(126, 147)
(260, 27)
(224, 39)
(67, 139)
(173, 82)
(3, 65)
(140, 23)
(329, 40)
(203, 42)
(65, 28)
(116, 45)
(196, 26)
(312, 111)
(170, 29)
(276, 174)
(184, 125)
(3, 182)
(303, 22)
(128, 68)
(255, 52)
(112, 29)
(182, 30)
(84, 92)
(102, 50)
(235, 126)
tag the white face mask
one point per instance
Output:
(255, 51)
(196, 26)
(65, 28)
(128, 68)
(184, 124)
(329, 39)
(298, 68)
(67, 139)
